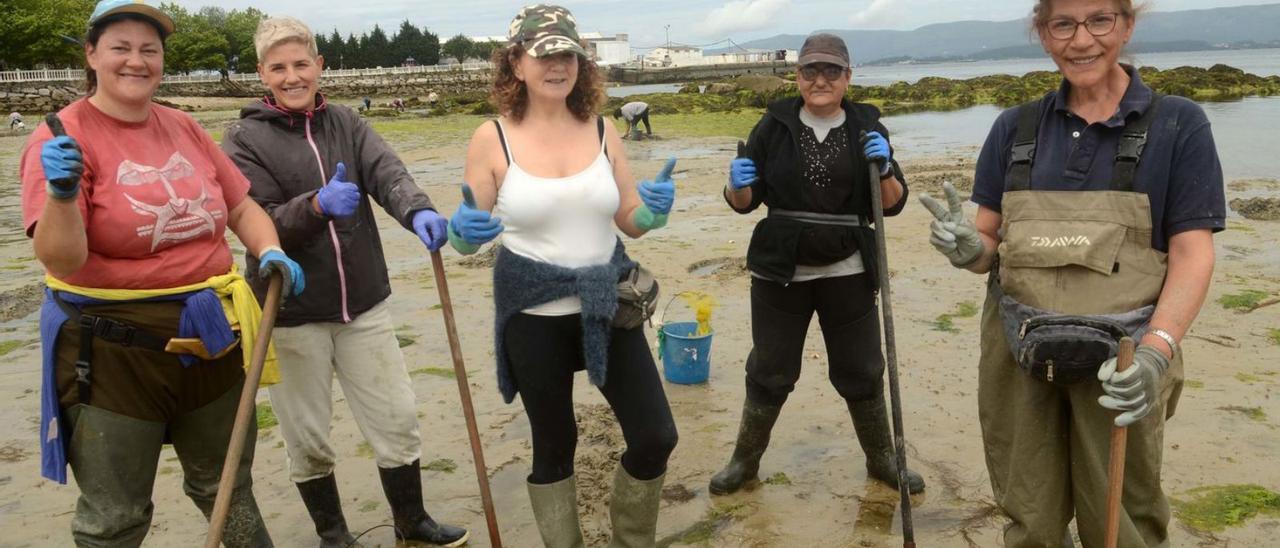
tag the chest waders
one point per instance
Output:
(1085, 253)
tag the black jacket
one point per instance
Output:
(342, 259)
(779, 244)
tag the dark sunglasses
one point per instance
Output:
(827, 70)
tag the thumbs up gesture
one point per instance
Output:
(659, 194)
(340, 197)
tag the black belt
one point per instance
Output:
(108, 329)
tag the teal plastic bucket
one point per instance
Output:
(686, 356)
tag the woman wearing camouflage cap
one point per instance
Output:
(558, 178)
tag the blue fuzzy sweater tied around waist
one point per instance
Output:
(520, 283)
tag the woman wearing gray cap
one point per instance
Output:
(127, 203)
(814, 253)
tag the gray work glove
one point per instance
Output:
(953, 234)
(1134, 391)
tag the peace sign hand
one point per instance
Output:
(952, 234)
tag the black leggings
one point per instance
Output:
(780, 315)
(545, 352)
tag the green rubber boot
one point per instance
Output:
(555, 508)
(634, 510)
(114, 460)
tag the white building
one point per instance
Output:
(751, 56)
(674, 56)
(608, 50)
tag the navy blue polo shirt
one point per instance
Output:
(1179, 171)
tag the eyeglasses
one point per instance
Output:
(828, 71)
(1100, 24)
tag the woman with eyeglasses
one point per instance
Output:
(1097, 206)
(814, 252)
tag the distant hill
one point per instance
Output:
(1190, 30)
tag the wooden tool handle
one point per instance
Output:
(1119, 438)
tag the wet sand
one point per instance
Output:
(818, 493)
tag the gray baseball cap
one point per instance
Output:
(824, 48)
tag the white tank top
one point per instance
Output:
(564, 221)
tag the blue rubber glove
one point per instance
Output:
(472, 225)
(431, 228)
(62, 161)
(660, 194)
(741, 169)
(876, 148)
(339, 198)
(274, 260)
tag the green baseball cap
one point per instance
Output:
(544, 29)
(140, 7)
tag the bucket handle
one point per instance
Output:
(662, 321)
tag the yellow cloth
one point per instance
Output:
(237, 299)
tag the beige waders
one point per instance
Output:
(1071, 252)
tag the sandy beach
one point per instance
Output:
(816, 491)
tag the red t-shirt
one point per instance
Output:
(155, 197)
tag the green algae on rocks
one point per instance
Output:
(1216, 507)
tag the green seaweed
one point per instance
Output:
(9, 346)
(364, 450)
(368, 506)
(1247, 378)
(1253, 413)
(266, 416)
(405, 340)
(945, 322)
(441, 465)
(1193, 384)
(1273, 335)
(437, 371)
(705, 529)
(779, 478)
(1216, 507)
(1243, 301)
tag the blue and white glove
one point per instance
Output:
(470, 227)
(431, 228)
(274, 260)
(340, 197)
(656, 197)
(63, 162)
(1136, 390)
(876, 148)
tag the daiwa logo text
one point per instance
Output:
(1060, 241)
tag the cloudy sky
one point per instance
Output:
(697, 22)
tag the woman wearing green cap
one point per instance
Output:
(556, 179)
(127, 203)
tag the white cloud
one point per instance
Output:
(873, 15)
(742, 15)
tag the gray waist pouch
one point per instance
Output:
(1063, 348)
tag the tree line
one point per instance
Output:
(45, 33)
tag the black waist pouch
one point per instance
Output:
(1066, 349)
(821, 245)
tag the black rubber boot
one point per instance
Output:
(753, 439)
(871, 422)
(403, 486)
(320, 496)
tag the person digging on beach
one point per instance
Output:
(1098, 204)
(127, 203)
(559, 200)
(15, 121)
(814, 252)
(634, 113)
(317, 167)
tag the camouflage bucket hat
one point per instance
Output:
(544, 29)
